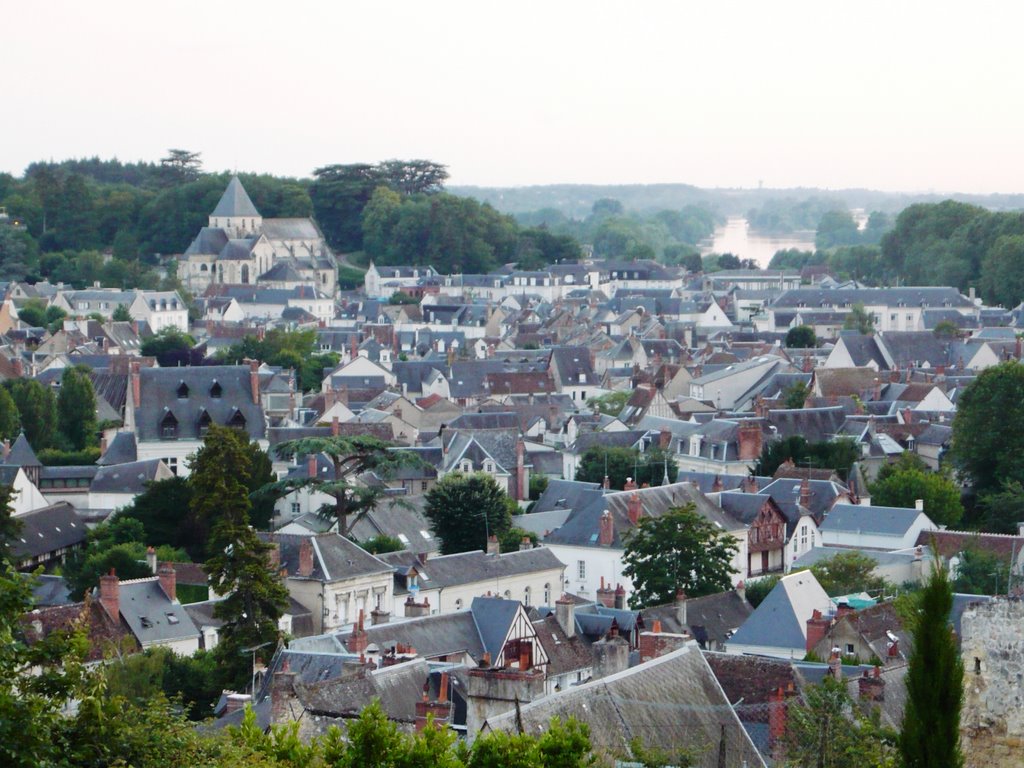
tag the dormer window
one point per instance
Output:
(203, 424)
(216, 391)
(168, 427)
(183, 391)
(489, 467)
(466, 466)
(237, 420)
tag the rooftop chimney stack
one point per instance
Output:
(817, 628)
(565, 615)
(306, 557)
(606, 533)
(254, 381)
(110, 595)
(493, 546)
(635, 508)
(168, 581)
(151, 560)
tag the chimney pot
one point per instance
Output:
(306, 557)
(110, 595)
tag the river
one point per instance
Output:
(736, 238)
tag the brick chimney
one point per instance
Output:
(522, 491)
(414, 609)
(908, 416)
(805, 493)
(620, 597)
(311, 465)
(526, 544)
(635, 508)
(749, 484)
(835, 666)
(664, 439)
(606, 595)
(110, 595)
(493, 546)
(151, 560)
(777, 717)
(656, 643)
(235, 702)
(136, 378)
(358, 640)
(871, 686)
(681, 609)
(817, 628)
(750, 440)
(565, 615)
(437, 711)
(306, 557)
(335, 426)
(282, 692)
(606, 533)
(18, 366)
(168, 581)
(717, 486)
(254, 380)
(629, 485)
(842, 609)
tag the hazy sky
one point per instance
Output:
(898, 95)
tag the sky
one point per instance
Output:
(898, 96)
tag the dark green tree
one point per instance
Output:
(180, 166)
(836, 228)
(679, 550)
(74, 222)
(10, 421)
(350, 457)
(10, 526)
(935, 683)
(796, 395)
(980, 572)
(1001, 511)
(37, 411)
(649, 467)
(801, 337)
(463, 509)
(413, 177)
(834, 454)
(170, 347)
(846, 573)
(163, 511)
(988, 429)
(239, 564)
(906, 485)
(859, 320)
(121, 314)
(76, 407)
(339, 194)
(610, 404)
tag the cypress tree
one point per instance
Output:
(935, 683)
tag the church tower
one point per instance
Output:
(235, 212)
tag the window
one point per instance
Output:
(172, 463)
(183, 391)
(216, 390)
(581, 569)
(547, 594)
(423, 486)
(237, 420)
(526, 597)
(296, 508)
(458, 604)
(849, 649)
(168, 427)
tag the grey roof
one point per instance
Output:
(863, 350)
(712, 618)
(48, 530)
(210, 241)
(780, 621)
(132, 477)
(235, 201)
(151, 615)
(816, 425)
(885, 521)
(335, 558)
(160, 389)
(50, 590)
(397, 688)
(431, 636)
(121, 450)
(669, 703)
(478, 566)
(911, 296)
(21, 454)
(291, 229)
(493, 616)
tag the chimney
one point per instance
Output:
(235, 702)
(611, 655)
(151, 560)
(103, 445)
(606, 595)
(413, 609)
(741, 589)
(716, 486)
(606, 484)
(358, 640)
(919, 505)
(274, 556)
(565, 615)
(629, 485)
(871, 686)
(635, 508)
(168, 581)
(110, 595)
(777, 717)
(136, 378)
(664, 439)
(620, 598)
(750, 441)
(817, 628)
(525, 545)
(379, 616)
(493, 547)
(843, 608)
(908, 416)
(681, 609)
(254, 381)
(437, 712)
(805, 493)
(306, 557)
(606, 534)
(749, 484)
(835, 665)
(282, 691)
(893, 647)
(311, 470)
(522, 491)
(18, 366)
(335, 427)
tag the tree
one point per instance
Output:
(758, 589)
(171, 347)
(980, 572)
(413, 177)
(833, 454)
(10, 422)
(946, 329)
(905, 486)
(648, 468)
(796, 395)
(10, 526)
(383, 543)
(1001, 281)
(339, 194)
(801, 337)
(836, 228)
(74, 221)
(935, 683)
(859, 320)
(350, 457)
(37, 411)
(163, 511)
(679, 550)
(988, 429)
(121, 314)
(1001, 511)
(239, 565)
(76, 407)
(464, 509)
(181, 166)
(827, 730)
(846, 573)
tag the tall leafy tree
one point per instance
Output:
(181, 166)
(935, 683)
(10, 421)
(903, 486)
(679, 550)
(37, 409)
(464, 509)
(847, 572)
(76, 407)
(648, 468)
(10, 526)
(239, 566)
(350, 457)
(859, 320)
(75, 219)
(801, 337)
(988, 429)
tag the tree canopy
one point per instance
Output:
(76, 407)
(677, 551)
(649, 467)
(907, 481)
(833, 454)
(464, 509)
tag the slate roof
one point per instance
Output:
(815, 424)
(863, 350)
(335, 558)
(21, 454)
(473, 567)
(397, 688)
(564, 654)
(909, 296)
(669, 702)
(431, 636)
(48, 530)
(151, 616)
(210, 241)
(780, 621)
(291, 229)
(50, 590)
(885, 521)
(711, 618)
(235, 201)
(132, 477)
(493, 616)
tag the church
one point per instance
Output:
(240, 247)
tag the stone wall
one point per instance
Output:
(992, 646)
